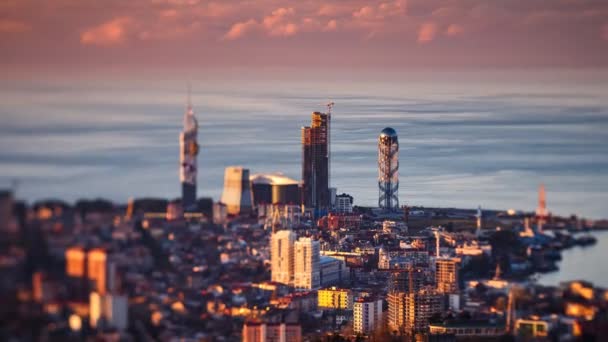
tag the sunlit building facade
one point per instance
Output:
(388, 169)
(315, 162)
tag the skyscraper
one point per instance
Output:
(237, 194)
(388, 169)
(282, 256)
(188, 150)
(315, 162)
(307, 274)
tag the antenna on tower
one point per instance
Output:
(189, 100)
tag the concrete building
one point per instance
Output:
(410, 312)
(188, 150)
(275, 332)
(367, 315)
(388, 169)
(335, 298)
(344, 204)
(332, 271)
(307, 264)
(237, 191)
(282, 256)
(446, 274)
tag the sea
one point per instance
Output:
(466, 137)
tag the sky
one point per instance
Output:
(56, 35)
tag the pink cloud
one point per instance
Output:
(13, 26)
(240, 29)
(332, 25)
(604, 32)
(109, 33)
(427, 32)
(454, 30)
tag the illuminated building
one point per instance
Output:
(306, 264)
(335, 298)
(282, 256)
(254, 331)
(315, 162)
(367, 315)
(237, 191)
(388, 169)
(97, 269)
(75, 262)
(188, 150)
(410, 312)
(446, 274)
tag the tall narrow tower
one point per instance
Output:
(541, 211)
(388, 169)
(188, 150)
(315, 162)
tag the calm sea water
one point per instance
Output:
(582, 263)
(466, 139)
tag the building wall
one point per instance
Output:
(237, 191)
(307, 257)
(282, 256)
(334, 298)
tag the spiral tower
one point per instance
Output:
(388, 169)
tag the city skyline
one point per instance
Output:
(334, 188)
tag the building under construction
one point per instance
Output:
(315, 162)
(388, 169)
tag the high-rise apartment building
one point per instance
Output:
(315, 162)
(307, 269)
(410, 313)
(367, 315)
(237, 194)
(282, 256)
(446, 274)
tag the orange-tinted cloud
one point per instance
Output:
(560, 31)
(454, 30)
(240, 29)
(427, 32)
(109, 33)
(13, 26)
